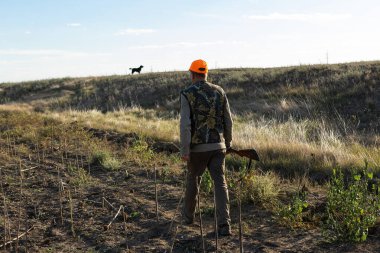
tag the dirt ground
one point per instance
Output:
(37, 207)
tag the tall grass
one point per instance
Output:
(146, 123)
(305, 145)
(290, 146)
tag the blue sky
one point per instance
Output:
(41, 39)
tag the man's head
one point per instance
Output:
(198, 70)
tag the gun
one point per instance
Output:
(248, 153)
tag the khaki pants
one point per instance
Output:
(214, 161)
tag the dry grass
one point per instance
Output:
(293, 146)
(134, 119)
(262, 189)
(20, 107)
(304, 145)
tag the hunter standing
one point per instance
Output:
(205, 134)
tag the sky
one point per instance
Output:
(42, 39)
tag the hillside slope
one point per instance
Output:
(348, 92)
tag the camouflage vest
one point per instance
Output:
(206, 102)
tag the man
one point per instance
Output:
(205, 134)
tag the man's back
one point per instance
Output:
(206, 103)
(206, 122)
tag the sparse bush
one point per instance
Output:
(351, 207)
(111, 163)
(165, 173)
(105, 159)
(80, 176)
(260, 189)
(141, 154)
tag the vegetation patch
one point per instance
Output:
(292, 214)
(261, 189)
(103, 158)
(353, 205)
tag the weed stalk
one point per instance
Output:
(71, 213)
(124, 218)
(215, 222)
(89, 163)
(5, 208)
(103, 200)
(26, 223)
(19, 206)
(60, 190)
(200, 214)
(240, 222)
(14, 147)
(9, 144)
(43, 154)
(76, 154)
(51, 138)
(81, 161)
(65, 148)
(109, 224)
(38, 152)
(155, 192)
(179, 203)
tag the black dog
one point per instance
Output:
(136, 69)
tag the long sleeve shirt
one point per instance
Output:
(185, 130)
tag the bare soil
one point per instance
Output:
(37, 206)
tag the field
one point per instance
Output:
(75, 152)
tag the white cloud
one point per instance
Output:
(74, 24)
(189, 44)
(39, 52)
(304, 17)
(28, 32)
(205, 15)
(47, 53)
(130, 31)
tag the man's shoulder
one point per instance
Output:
(216, 87)
(188, 89)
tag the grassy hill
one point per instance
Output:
(347, 91)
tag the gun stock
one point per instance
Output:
(249, 153)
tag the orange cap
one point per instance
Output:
(199, 66)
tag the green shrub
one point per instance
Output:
(141, 154)
(292, 213)
(206, 183)
(352, 207)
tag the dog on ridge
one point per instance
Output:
(138, 70)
